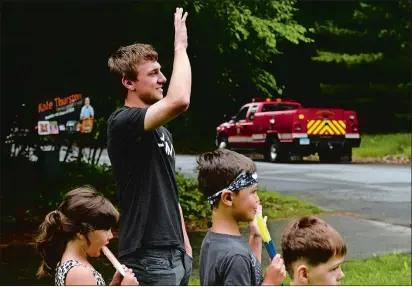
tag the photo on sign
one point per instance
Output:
(54, 128)
(70, 114)
(86, 117)
(43, 127)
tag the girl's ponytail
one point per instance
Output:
(51, 242)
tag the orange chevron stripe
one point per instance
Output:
(314, 126)
(326, 129)
(320, 126)
(311, 122)
(332, 126)
(339, 126)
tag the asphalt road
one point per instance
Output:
(379, 192)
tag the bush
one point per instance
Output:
(193, 203)
(34, 189)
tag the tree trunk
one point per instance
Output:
(100, 154)
(92, 159)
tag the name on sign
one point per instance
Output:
(59, 102)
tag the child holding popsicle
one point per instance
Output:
(229, 182)
(79, 228)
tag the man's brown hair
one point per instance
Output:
(218, 169)
(126, 59)
(312, 240)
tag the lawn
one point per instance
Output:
(276, 206)
(383, 145)
(393, 269)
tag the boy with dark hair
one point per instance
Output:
(313, 252)
(229, 182)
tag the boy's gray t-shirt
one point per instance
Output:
(228, 260)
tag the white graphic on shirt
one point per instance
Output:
(163, 139)
(167, 145)
(253, 262)
(258, 270)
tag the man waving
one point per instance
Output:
(153, 240)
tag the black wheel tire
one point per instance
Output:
(329, 156)
(347, 155)
(223, 139)
(272, 151)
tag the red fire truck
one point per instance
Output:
(283, 131)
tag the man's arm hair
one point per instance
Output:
(177, 99)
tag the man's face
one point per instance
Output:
(87, 102)
(329, 273)
(149, 82)
(245, 204)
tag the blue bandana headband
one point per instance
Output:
(243, 180)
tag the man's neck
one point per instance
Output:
(224, 224)
(134, 101)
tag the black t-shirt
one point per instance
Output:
(228, 260)
(144, 169)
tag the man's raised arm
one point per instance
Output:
(178, 96)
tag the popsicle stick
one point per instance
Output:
(113, 260)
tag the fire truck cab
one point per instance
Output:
(283, 131)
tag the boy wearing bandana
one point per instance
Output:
(228, 180)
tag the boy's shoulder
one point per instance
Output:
(220, 248)
(228, 259)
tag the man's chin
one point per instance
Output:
(158, 96)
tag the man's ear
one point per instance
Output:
(301, 275)
(227, 198)
(128, 84)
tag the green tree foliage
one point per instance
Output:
(234, 44)
(359, 61)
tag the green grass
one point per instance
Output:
(276, 206)
(383, 145)
(394, 269)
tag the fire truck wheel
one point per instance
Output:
(272, 152)
(223, 142)
(347, 155)
(328, 156)
(336, 156)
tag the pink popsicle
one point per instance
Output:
(113, 260)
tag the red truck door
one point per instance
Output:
(238, 140)
(247, 127)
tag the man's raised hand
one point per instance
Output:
(180, 29)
